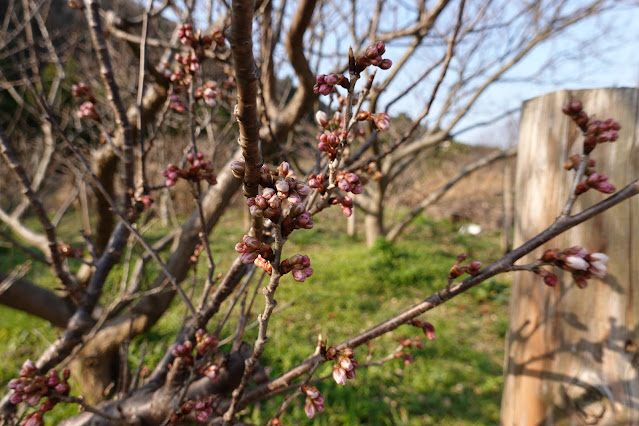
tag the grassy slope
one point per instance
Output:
(456, 379)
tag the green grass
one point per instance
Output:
(456, 379)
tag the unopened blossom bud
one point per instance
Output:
(429, 330)
(87, 110)
(28, 368)
(574, 107)
(282, 186)
(474, 267)
(577, 263)
(251, 242)
(302, 189)
(381, 121)
(371, 52)
(62, 388)
(311, 391)
(309, 409)
(581, 282)
(605, 187)
(345, 363)
(385, 64)
(331, 353)
(321, 119)
(348, 352)
(212, 372)
(339, 375)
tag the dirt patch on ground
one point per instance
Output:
(478, 198)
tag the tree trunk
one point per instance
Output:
(374, 213)
(572, 354)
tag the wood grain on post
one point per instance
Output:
(572, 355)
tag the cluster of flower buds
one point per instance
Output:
(427, 328)
(202, 409)
(267, 204)
(298, 218)
(164, 69)
(191, 62)
(82, 90)
(250, 248)
(31, 387)
(199, 170)
(318, 182)
(581, 264)
(405, 344)
(208, 92)
(329, 142)
(332, 123)
(184, 351)
(299, 266)
(471, 268)
(197, 41)
(67, 251)
(345, 364)
(381, 121)
(88, 110)
(592, 179)
(345, 203)
(324, 83)
(314, 401)
(196, 254)
(373, 56)
(176, 103)
(595, 131)
(348, 182)
(146, 200)
(291, 190)
(278, 187)
(204, 343)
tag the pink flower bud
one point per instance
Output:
(87, 110)
(576, 263)
(282, 186)
(345, 363)
(248, 258)
(309, 408)
(581, 282)
(237, 168)
(339, 375)
(381, 121)
(311, 391)
(251, 242)
(605, 187)
(321, 119)
(429, 330)
(385, 64)
(28, 368)
(302, 189)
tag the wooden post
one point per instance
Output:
(572, 355)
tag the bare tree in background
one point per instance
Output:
(185, 84)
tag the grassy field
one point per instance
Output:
(456, 379)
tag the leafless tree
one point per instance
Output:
(176, 67)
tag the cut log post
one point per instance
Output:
(572, 355)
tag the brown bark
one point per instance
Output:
(27, 297)
(571, 353)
